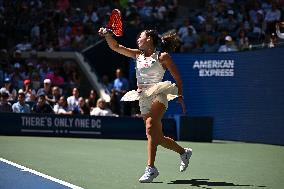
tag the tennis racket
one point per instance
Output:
(114, 26)
(115, 23)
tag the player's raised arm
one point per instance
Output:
(114, 45)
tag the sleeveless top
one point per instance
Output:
(149, 70)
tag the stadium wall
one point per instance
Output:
(79, 126)
(242, 91)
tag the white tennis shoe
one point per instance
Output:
(149, 174)
(185, 159)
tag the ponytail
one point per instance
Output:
(167, 42)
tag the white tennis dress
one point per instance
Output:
(151, 88)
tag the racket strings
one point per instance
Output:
(115, 23)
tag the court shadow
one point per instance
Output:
(205, 183)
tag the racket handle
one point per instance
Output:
(106, 31)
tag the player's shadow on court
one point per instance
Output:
(205, 183)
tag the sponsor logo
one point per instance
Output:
(215, 68)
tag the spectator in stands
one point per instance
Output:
(21, 106)
(272, 17)
(42, 106)
(61, 107)
(18, 76)
(146, 13)
(71, 74)
(278, 30)
(230, 23)
(62, 5)
(5, 106)
(258, 27)
(91, 16)
(183, 30)
(101, 109)
(209, 25)
(35, 33)
(30, 93)
(12, 93)
(210, 44)
(92, 100)
(35, 80)
(160, 13)
(130, 10)
(55, 77)
(242, 41)
(189, 41)
(64, 41)
(229, 45)
(82, 107)
(73, 101)
(43, 69)
(120, 87)
(46, 90)
(106, 84)
(172, 9)
(56, 94)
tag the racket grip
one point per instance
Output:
(106, 31)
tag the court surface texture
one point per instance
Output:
(59, 163)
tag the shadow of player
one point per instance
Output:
(205, 183)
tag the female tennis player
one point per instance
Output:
(153, 94)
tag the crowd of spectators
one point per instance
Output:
(229, 25)
(41, 85)
(51, 100)
(65, 25)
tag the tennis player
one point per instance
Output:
(153, 94)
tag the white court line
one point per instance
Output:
(41, 174)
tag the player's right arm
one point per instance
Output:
(115, 46)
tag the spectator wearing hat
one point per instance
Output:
(5, 106)
(230, 23)
(42, 106)
(258, 27)
(10, 89)
(30, 94)
(229, 45)
(46, 90)
(21, 106)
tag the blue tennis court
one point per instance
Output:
(14, 176)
